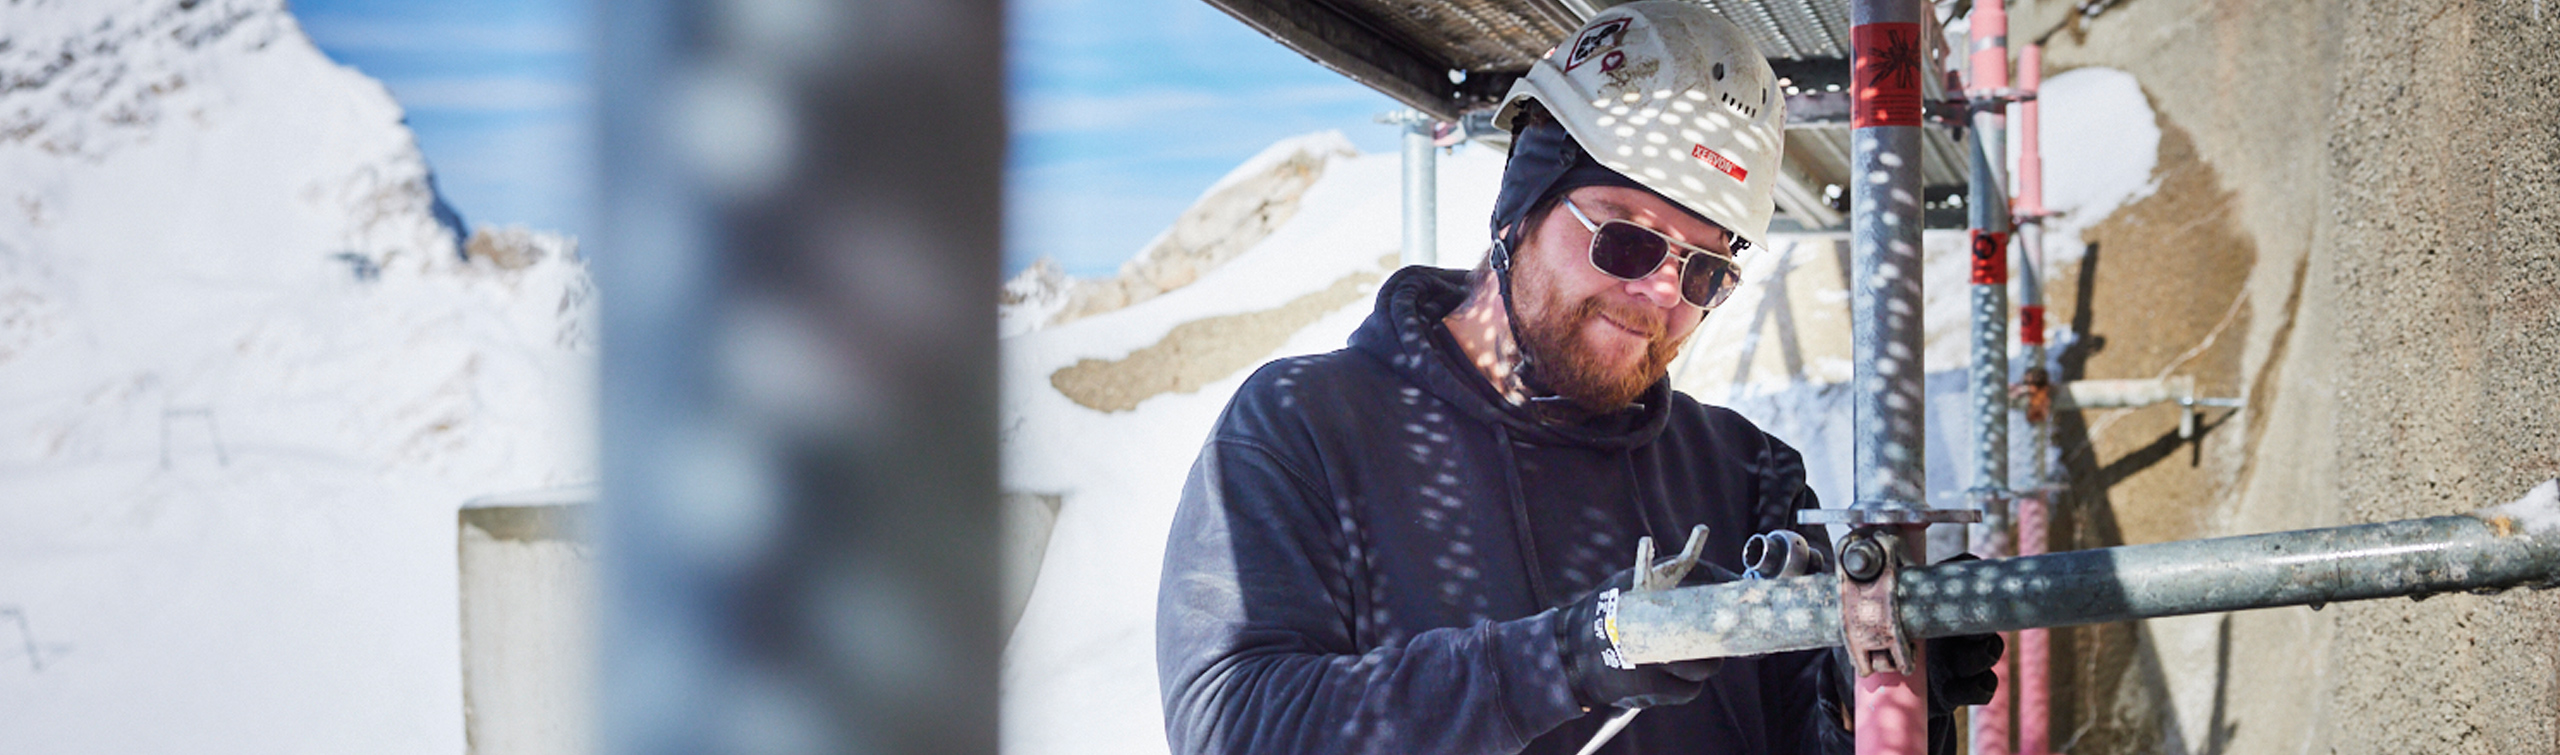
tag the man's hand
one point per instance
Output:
(1587, 636)
(1961, 668)
(1960, 671)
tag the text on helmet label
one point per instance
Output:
(1718, 160)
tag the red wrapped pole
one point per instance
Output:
(2032, 650)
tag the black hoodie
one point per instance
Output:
(1369, 546)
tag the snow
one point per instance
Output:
(1033, 298)
(1079, 674)
(2100, 146)
(2538, 512)
(246, 380)
(1329, 144)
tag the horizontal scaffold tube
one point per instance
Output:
(2515, 545)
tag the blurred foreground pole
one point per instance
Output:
(800, 215)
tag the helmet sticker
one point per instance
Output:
(1623, 78)
(1671, 95)
(1598, 39)
(1717, 159)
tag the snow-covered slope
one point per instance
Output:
(1231, 216)
(246, 377)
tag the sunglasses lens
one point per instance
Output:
(1706, 281)
(1627, 251)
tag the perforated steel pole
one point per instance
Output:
(2516, 544)
(1987, 202)
(1888, 42)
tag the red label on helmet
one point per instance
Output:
(1718, 160)
(1885, 84)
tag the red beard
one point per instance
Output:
(1568, 366)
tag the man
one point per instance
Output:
(1406, 546)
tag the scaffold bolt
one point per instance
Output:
(1862, 558)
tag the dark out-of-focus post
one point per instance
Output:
(797, 257)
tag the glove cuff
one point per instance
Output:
(1536, 688)
(1587, 646)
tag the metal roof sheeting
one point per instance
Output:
(1447, 58)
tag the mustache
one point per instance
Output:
(1645, 320)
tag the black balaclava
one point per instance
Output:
(1545, 162)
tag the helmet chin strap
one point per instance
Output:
(1524, 368)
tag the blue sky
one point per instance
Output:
(496, 90)
(1123, 110)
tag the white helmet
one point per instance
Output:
(1672, 96)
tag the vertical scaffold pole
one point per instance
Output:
(2032, 649)
(1888, 519)
(1987, 206)
(1421, 193)
(789, 548)
(1888, 39)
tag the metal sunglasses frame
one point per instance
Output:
(1591, 253)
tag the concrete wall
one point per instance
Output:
(528, 610)
(2355, 231)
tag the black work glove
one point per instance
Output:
(1586, 636)
(1961, 667)
(1960, 671)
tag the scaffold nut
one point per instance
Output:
(1863, 559)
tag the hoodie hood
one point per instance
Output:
(1404, 331)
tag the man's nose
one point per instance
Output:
(1661, 287)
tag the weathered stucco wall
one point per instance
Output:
(2355, 231)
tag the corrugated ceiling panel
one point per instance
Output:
(1474, 35)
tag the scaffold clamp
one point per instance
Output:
(1870, 624)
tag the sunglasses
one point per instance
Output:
(1630, 252)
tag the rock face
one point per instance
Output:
(2365, 197)
(1232, 216)
(246, 377)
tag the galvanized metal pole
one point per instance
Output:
(2033, 650)
(1421, 192)
(2028, 211)
(1888, 43)
(2492, 549)
(1987, 202)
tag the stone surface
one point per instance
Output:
(2365, 193)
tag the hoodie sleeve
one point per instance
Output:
(1255, 646)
